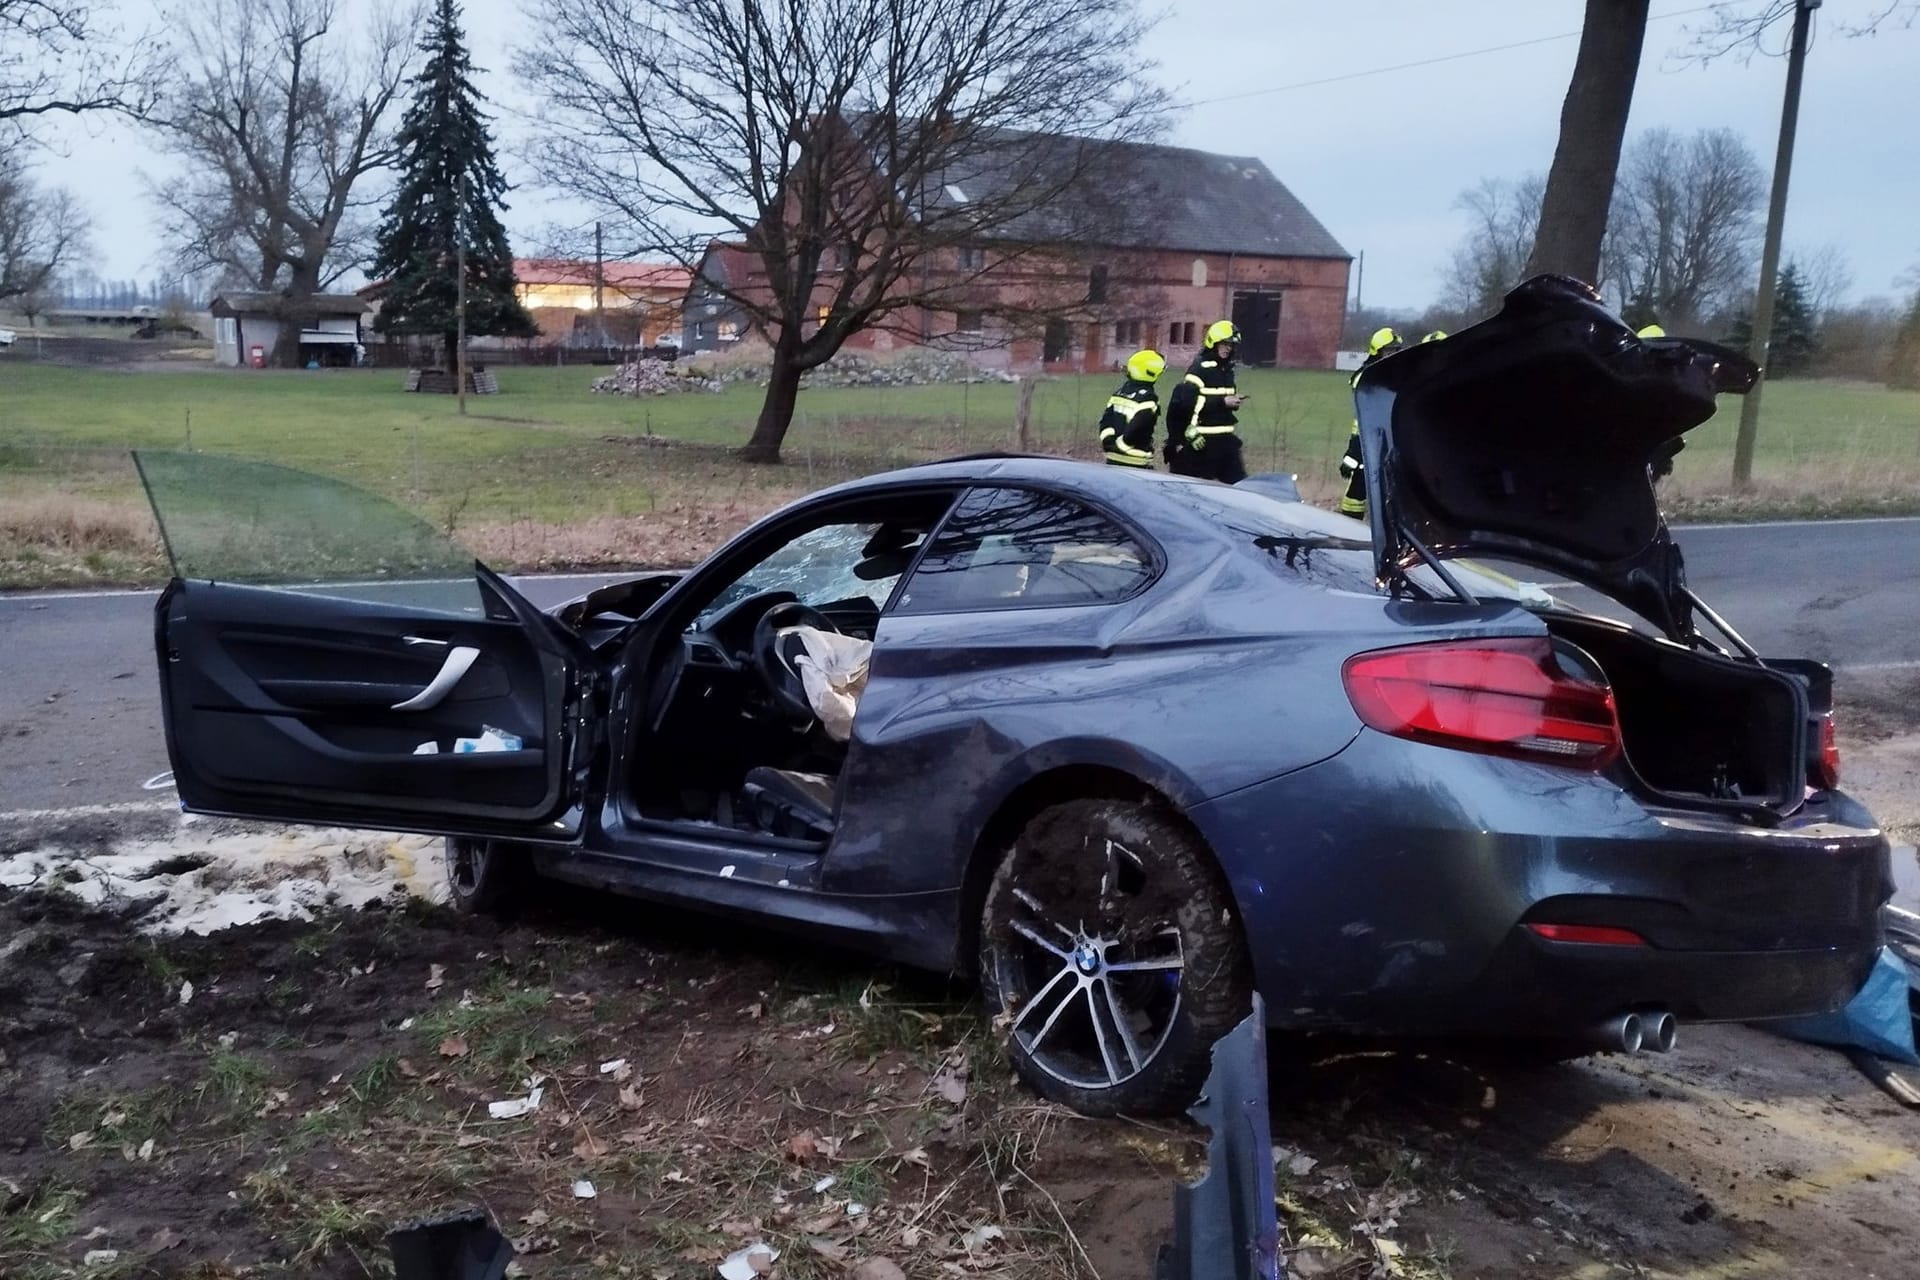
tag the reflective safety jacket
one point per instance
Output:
(1354, 501)
(1126, 427)
(1199, 405)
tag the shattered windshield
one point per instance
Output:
(227, 519)
(818, 567)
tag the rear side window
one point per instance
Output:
(1019, 549)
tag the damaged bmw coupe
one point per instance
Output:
(1126, 746)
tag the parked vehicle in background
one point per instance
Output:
(7, 337)
(1129, 747)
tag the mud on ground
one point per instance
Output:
(323, 1081)
(268, 1100)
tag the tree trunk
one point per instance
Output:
(295, 313)
(776, 411)
(1593, 120)
(1023, 414)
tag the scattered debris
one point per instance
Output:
(453, 1047)
(101, 1257)
(186, 992)
(750, 1263)
(436, 976)
(1297, 1163)
(618, 1069)
(980, 1237)
(583, 1190)
(877, 1269)
(514, 1108)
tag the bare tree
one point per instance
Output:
(1826, 274)
(280, 117)
(67, 56)
(42, 232)
(1504, 220)
(859, 151)
(1742, 30)
(1685, 224)
(1593, 121)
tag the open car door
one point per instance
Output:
(328, 657)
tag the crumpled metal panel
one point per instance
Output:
(460, 1246)
(1225, 1226)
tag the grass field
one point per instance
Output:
(548, 474)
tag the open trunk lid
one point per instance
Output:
(1529, 436)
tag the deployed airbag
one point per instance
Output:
(834, 672)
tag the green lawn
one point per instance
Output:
(548, 473)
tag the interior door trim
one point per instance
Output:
(460, 659)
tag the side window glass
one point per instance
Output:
(1015, 548)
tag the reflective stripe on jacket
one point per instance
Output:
(1199, 405)
(1126, 425)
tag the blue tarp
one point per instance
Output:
(1879, 1019)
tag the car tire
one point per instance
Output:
(487, 877)
(1112, 957)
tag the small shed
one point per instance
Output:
(329, 332)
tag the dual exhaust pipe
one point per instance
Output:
(1636, 1031)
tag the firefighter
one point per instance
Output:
(1651, 331)
(1126, 427)
(1435, 336)
(1382, 344)
(1201, 440)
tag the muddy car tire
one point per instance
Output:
(486, 877)
(1111, 957)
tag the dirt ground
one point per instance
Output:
(269, 1099)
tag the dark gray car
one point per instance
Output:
(1128, 746)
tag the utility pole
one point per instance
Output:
(460, 300)
(599, 286)
(1359, 279)
(1760, 344)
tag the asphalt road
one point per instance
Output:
(80, 715)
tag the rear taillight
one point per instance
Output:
(1825, 772)
(1506, 697)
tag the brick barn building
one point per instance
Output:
(1215, 236)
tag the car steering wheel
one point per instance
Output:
(774, 649)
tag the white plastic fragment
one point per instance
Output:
(583, 1190)
(824, 1184)
(609, 1068)
(101, 1257)
(740, 1263)
(514, 1108)
(186, 992)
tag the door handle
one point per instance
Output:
(424, 640)
(459, 659)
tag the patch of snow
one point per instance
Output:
(209, 876)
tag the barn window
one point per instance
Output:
(1097, 284)
(1199, 273)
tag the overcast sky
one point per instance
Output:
(1379, 158)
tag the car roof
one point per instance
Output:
(1103, 483)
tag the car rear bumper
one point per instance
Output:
(1389, 888)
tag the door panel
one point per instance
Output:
(296, 705)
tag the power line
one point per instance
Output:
(1423, 62)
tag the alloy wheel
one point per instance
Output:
(1091, 981)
